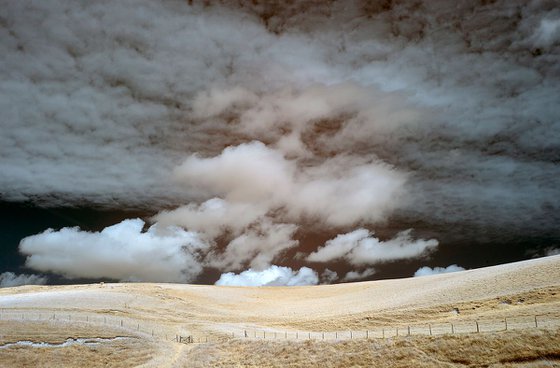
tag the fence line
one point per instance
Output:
(158, 331)
(124, 323)
(426, 329)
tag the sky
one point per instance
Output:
(249, 143)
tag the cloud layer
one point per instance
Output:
(467, 108)
(242, 127)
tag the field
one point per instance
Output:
(506, 315)
(508, 349)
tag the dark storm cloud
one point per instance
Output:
(254, 121)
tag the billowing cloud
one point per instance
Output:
(10, 279)
(328, 276)
(426, 271)
(213, 217)
(122, 251)
(340, 191)
(355, 275)
(258, 246)
(360, 247)
(248, 172)
(272, 276)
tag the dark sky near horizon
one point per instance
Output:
(478, 247)
(191, 142)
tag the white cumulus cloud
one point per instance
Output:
(122, 251)
(360, 247)
(272, 276)
(328, 276)
(258, 246)
(213, 217)
(426, 271)
(355, 275)
(339, 191)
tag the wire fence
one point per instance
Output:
(424, 329)
(158, 330)
(126, 324)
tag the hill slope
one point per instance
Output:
(518, 290)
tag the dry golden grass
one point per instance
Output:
(114, 354)
(51, 332)
(507, 349)
(541, 301)
(128, 352)
(517, 291)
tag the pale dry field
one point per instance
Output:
(152, 315)
(107, 347)
(506, 349)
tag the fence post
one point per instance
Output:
(408, 330)
(336, 335)
(536, 323)
(477, 329)
(264, 334)
(367, 334)
(452, 329)
(383, 332)
(430, 327)
(351, 337)
(323, 335)
(505, 320)
(397, 331)
(138, 327)
(309, 336)
(121, 323)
